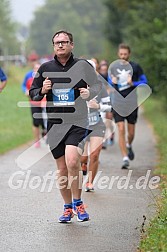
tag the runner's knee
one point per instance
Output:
(72, 164)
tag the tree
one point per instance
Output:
(142, 24)
(78, 16)
(8, 41)
(117, 20)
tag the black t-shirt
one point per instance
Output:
(63, 101)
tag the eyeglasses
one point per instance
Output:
(63, 43)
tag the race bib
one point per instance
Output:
(63, 97)
(93, 118)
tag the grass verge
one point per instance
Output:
(15, 122)
(155, 238)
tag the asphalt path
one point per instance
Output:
(29, 210)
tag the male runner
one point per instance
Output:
(137, 78)
(67, 116)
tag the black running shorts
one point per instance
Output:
(61, 135)
(131, 119)
(37, 121)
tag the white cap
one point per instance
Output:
(92, 63)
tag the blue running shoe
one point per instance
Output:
(82, 215)
(74, 209)
(67, 215)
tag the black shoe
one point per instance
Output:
(104, 145)
(44, 132)
(131, 154)
(125, 164)
(84, 168)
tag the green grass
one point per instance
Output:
(155, 238)
(157, 115)
(15, 122)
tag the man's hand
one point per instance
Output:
(84, 93)
(27, 93)
(47, 85)
(93, 104)
(114, 79)
(130, 80)
(2, 85)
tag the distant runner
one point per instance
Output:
(125, 88)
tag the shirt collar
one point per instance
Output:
(67, 63)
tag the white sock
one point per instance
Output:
(128, 145)
(125, 158)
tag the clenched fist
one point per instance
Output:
(84, 93)
(93, 104)
(47, 85)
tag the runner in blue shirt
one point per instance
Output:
(3, 79)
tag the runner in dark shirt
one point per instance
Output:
(135, 76)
